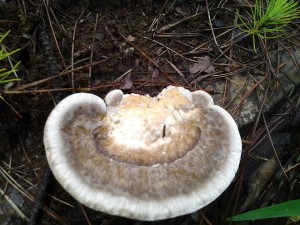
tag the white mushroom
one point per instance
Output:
(141, 157)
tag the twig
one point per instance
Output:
(205, 218)
(72, 54)
(259, 137)
(26, 194)
(33, 84)
(179, 35)
(10, 105)
(211, 63)
(225, 93)
(23, 148)
(169, 26)
(210, 24)
(178, 71)
(170, 7)
(96, 88)
(246, 152)
(34, 214)
(236, 94)
(147, 57)
(85, 214)
(53, 34)
(292, 167)
(168, 48)
(156, 19)
(273, 147)
(194, 51)
(123, 75)
(23, 9)
(13, 205)
(92, 51)
(248, 94)
(16, 172)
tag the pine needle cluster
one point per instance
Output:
(7, 67)
(4, 59)
(269, 18)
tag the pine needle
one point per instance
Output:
(269, 18)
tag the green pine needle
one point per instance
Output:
(269, 18)
(4, 72)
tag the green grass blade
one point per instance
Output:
(5, 55)
(286, 209)
(9, 80)
(2, 36)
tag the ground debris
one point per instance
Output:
(202, 64)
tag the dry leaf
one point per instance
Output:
(155, 73)
(126, 82)
(154, 69)
(203, 63)
(137, 62)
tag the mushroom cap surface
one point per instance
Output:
(141, 157)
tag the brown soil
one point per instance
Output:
(138, 46)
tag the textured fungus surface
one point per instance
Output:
(141, 157)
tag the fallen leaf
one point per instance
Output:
(153, 69)
(126, 82)
(203, 63)
(137, 62)
(155, 73)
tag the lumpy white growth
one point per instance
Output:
(143, 132)
(133, 129)
(114, 98)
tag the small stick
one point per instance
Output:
(158, 18)
(273, 147)
(29, 196)
(92, 50)
(53, 33)
(210, 24)
(40, 194)
(205, 219)
(169, 26)
(85, 214)
(178, 72)
(147, 57)
(13, 205)
(248, 94)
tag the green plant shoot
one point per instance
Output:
(4, 56)
(269, 18)
(5, 73)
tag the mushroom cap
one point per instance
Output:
(141, 157)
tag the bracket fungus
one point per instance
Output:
(141, 157)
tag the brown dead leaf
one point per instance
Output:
(155, 73)
(154, 69)
(126, 82)
(203, 63)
